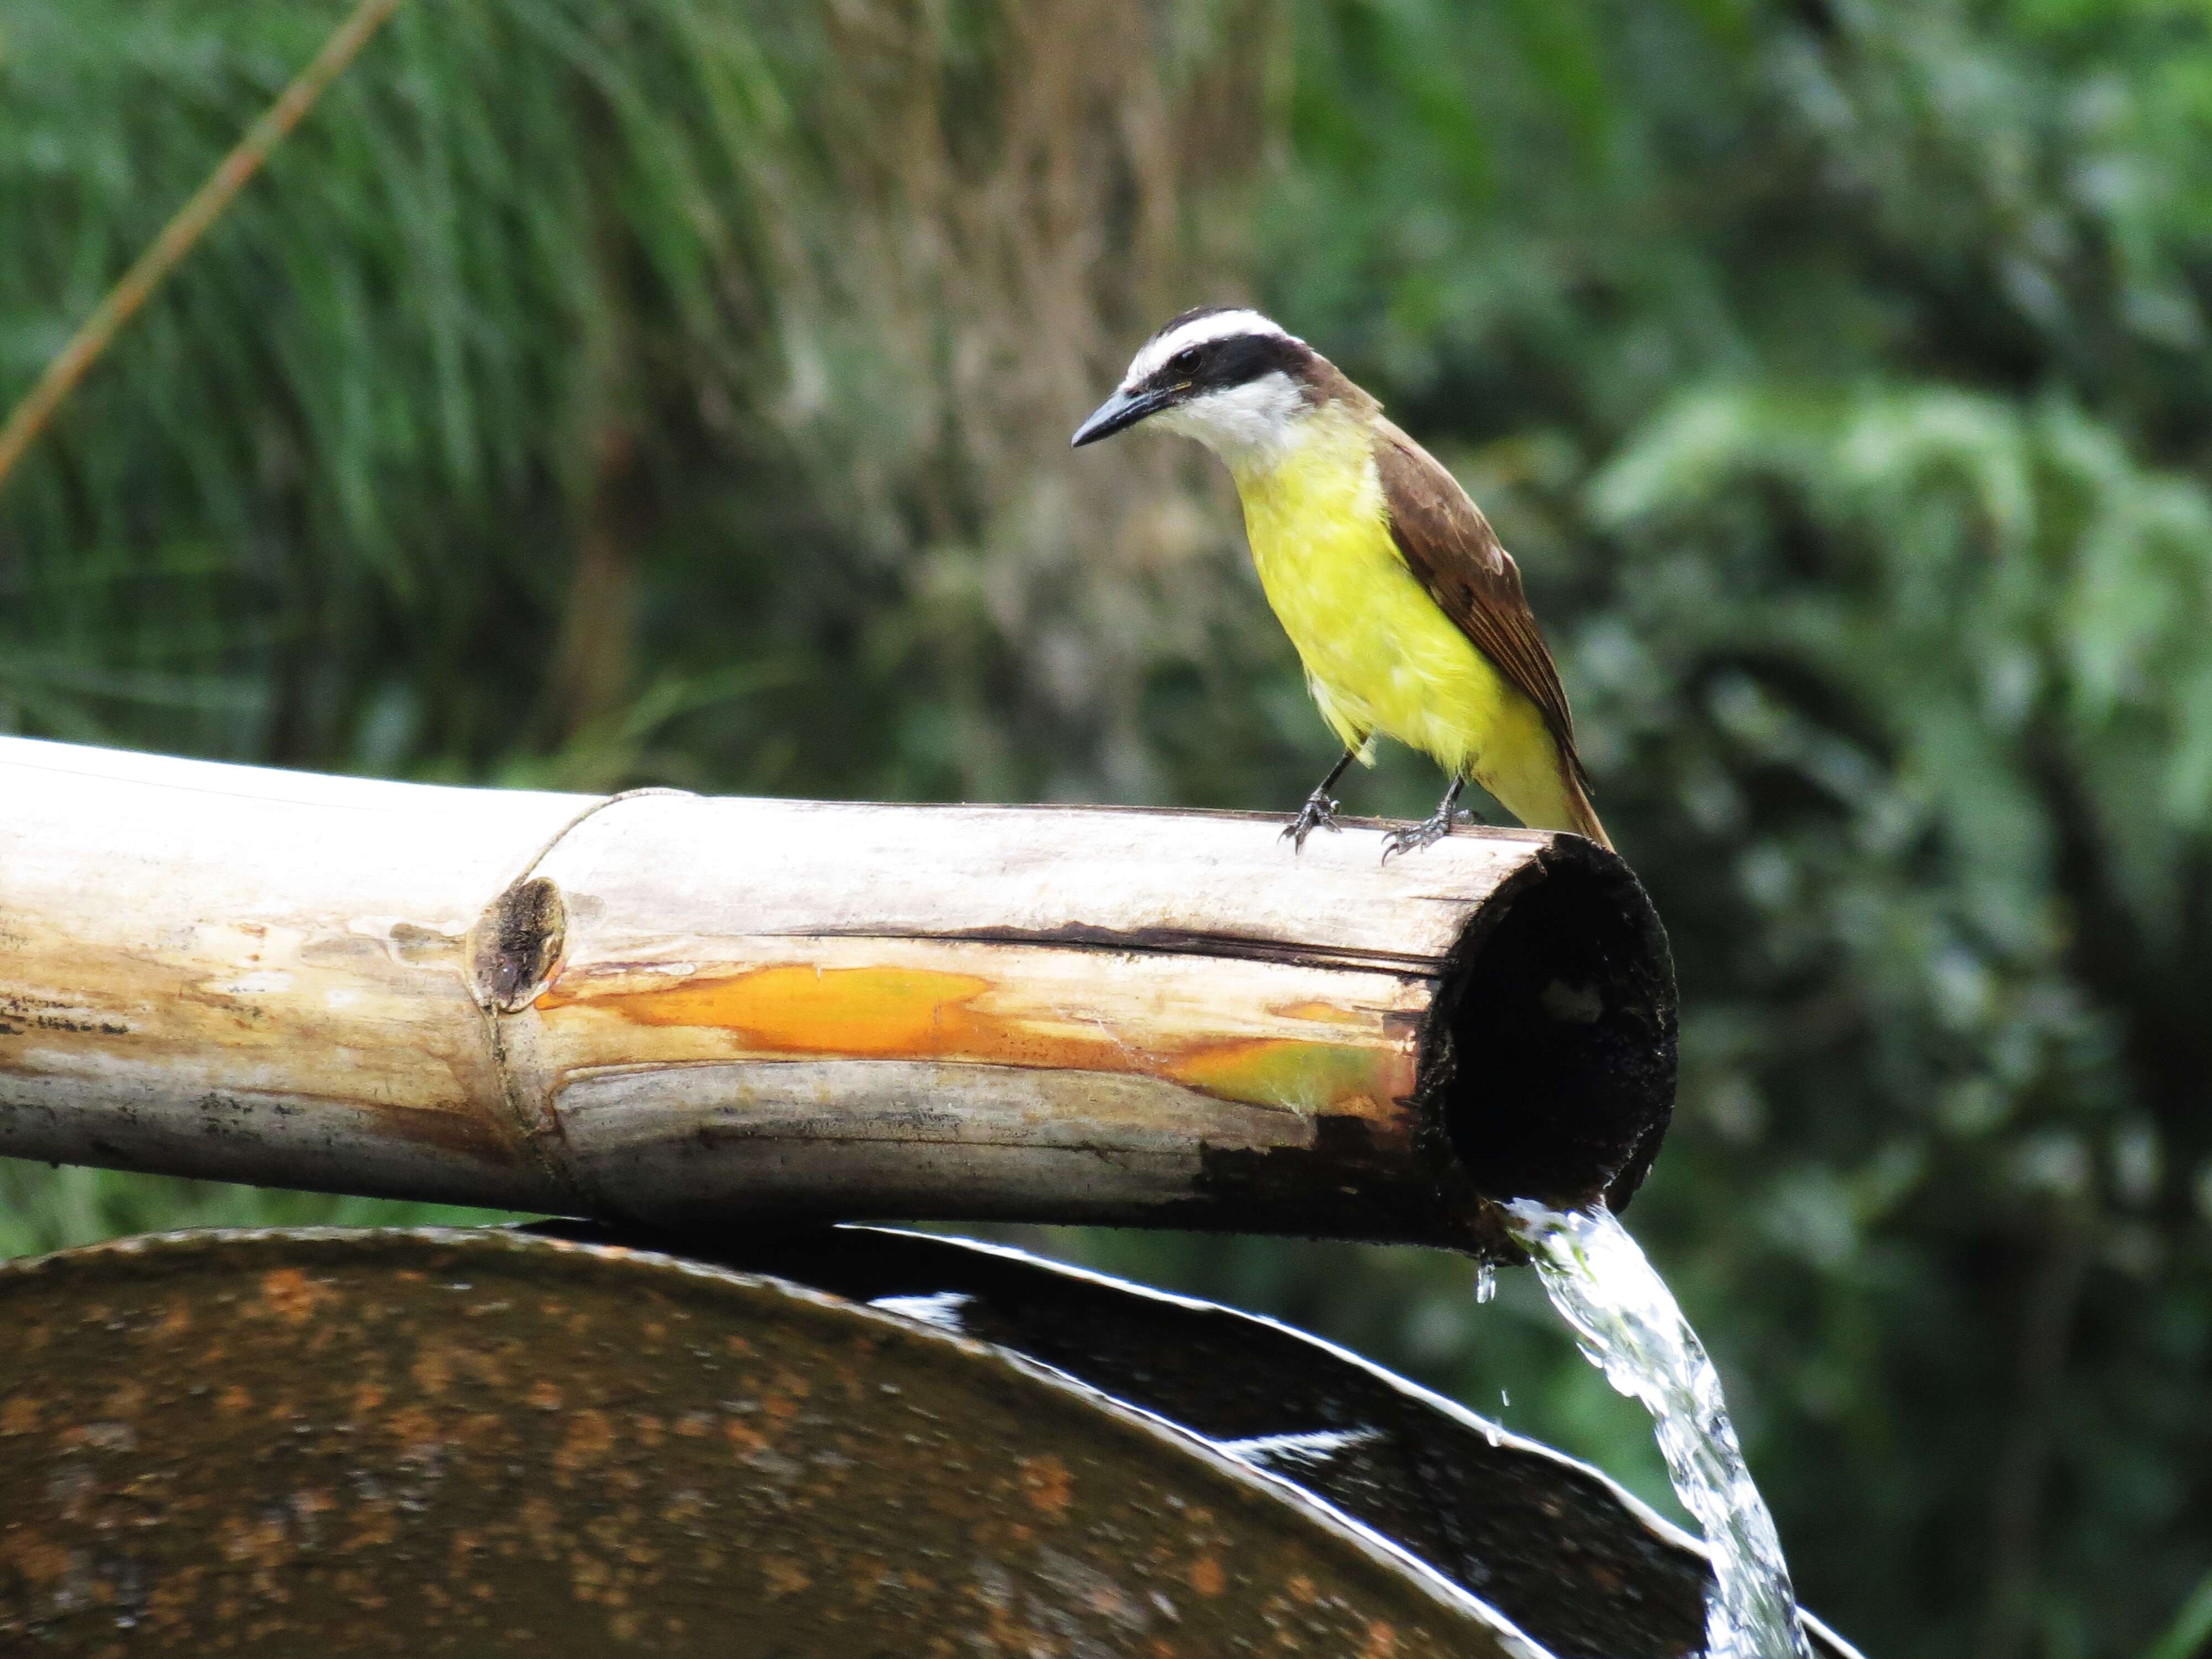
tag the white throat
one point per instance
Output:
(1252, 426)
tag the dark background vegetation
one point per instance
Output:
(676, 391)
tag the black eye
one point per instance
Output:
(1184, 360)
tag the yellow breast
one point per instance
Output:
(1379, 655)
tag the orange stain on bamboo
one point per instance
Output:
(920, 1013)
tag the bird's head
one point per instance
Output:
(1227, 376)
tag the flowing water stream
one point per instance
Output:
(1630, 1328)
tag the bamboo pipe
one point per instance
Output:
(680, 1012)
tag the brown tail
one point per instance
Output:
(1585, 815)
(1549, 794)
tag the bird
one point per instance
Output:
(1407, 611)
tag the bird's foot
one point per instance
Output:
(1427, 833)
(1318, 813)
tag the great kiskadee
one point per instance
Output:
(1406, 612)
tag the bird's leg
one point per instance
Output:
(1429, 831)
(1319, 811)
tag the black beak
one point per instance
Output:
(1120, 411)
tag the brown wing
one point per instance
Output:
(1447, 544)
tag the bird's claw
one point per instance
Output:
(1318, 813)
(1414, 837)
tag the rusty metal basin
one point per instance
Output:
(846, 1441)
(1563, 1551)
(442, 1441)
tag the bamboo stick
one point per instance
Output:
(683, 1011)
(205, 206)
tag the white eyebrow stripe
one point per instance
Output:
(1198, 331)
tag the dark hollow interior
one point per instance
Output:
(1557, 1035)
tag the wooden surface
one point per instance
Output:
(678, 1010)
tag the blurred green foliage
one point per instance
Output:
(676, 391)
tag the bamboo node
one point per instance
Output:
(515, 945)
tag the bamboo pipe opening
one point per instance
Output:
(1542, 1066)
(1550, 1049)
